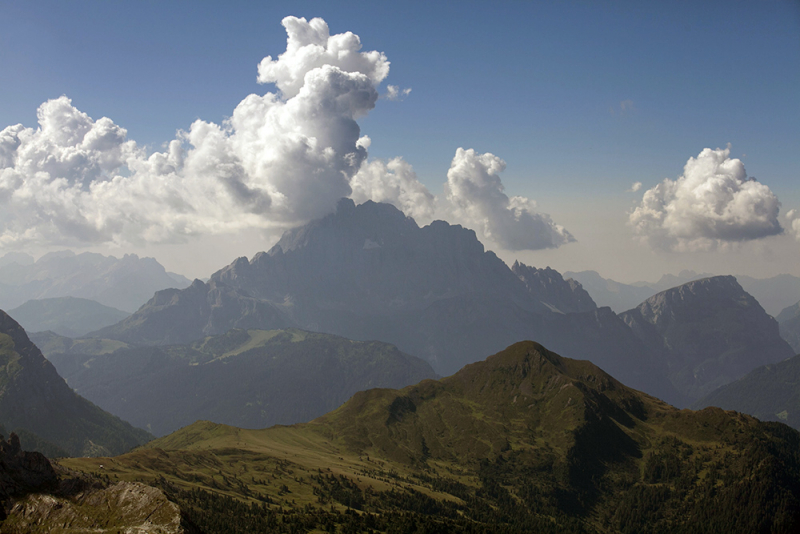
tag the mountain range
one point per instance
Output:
(122, 283)
(247, 378)
(525, 441)
(369, 272)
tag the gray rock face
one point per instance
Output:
(124, 283)
(708, 333)
(129, 507)
(550, 288)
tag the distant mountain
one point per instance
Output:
(35, 400)
(124, 284)
(525, 441)
(20, 258)
(668, 281)
(548, 287)
(66, 316)
(606, 292)
(770, 392)
(369, 272)
(252, 379)
(774, 294)
(708, 333)
(789, 321)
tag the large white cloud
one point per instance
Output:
(282, 158)
(711, 204)
(474, 197)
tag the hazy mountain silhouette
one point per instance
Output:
(124, 284)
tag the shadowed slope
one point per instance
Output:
(34, 398)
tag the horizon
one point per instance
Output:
(599, 105)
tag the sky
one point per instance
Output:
(630, 138)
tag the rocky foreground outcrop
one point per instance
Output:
(34, 500)
(128, 507)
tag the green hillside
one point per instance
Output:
(49, 416)
(526, 441)
(248, 378)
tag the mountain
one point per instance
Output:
(66, 316)
(618, 296)
(789, 321)
(525, 441)
(35, 400)
(668, 281)
(550, 288)
(20, 258)
(770, 392)
(774, 294)
(369, 272)
(124, 284)
(708, 333)
(248, 378)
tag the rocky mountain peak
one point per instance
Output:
(548, 286)
(709, 332)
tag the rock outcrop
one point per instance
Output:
(549, 287)
(23, 472)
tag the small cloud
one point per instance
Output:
(635, 186)
(395, 93)
(626, 105)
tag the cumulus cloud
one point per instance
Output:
(474, 197)
(711, 204)
(394, 182)
(793, 218)
(281, 159)
(635, 186)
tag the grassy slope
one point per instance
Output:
(524, 441)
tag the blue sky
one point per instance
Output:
(580, 99)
